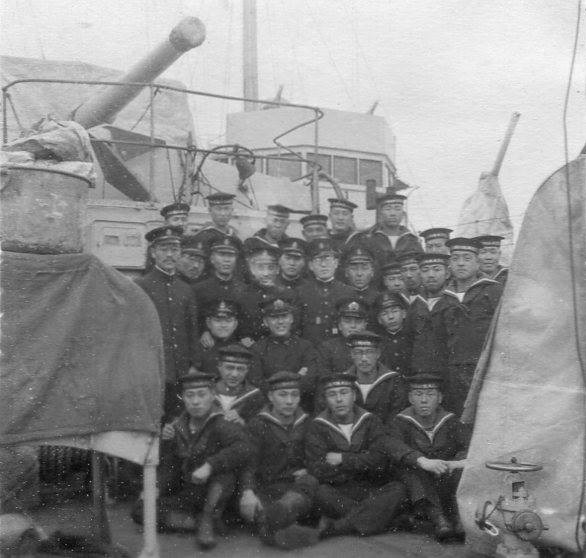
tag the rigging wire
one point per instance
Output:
(573, 263)
(227, 69)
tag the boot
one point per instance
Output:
(334, 528)
(441, 525)
(205, 532)
(212, 510)
(296, 536)
(459, 533)
(284, 511)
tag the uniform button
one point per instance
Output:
(396, 354)
(170, 299)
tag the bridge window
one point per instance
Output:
(290, 169)
(345, 170)
(324, 160)
(370, 169)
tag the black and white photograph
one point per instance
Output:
(293, 278)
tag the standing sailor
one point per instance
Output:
(292, 263)
(489, 257)
(435, 240)
(467, 323)
(175, 214)
(314, 226)
(176, 305)
(221, 209)
(276, 223)
(342, 221)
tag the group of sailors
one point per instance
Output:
(316, 384)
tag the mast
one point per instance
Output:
(249, 54)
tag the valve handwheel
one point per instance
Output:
(513, 466)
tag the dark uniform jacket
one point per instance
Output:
(368, 296)
(262, 233)
(501, 275)
(290, 284)
(364, 457)
(177, 309)
(396, 350)
(467, 323)
(278, 450)
(342, 240)
(247, 404)
(429, 351)
(334, 355)
(381, 246)
(386, 397)
(214, 288)
(222, 444)
(275, 354)
(447, 439)
(317, 301)
(209, 234)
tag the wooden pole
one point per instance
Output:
(505, 144)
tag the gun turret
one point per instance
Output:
(103, 107)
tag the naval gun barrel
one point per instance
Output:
(103, 107)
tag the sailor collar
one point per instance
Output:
(382, 378)
(163, 272)
(376, 229)
(238, 398)
(477, 282)
(407, 415)
(211, 226)
(267, 415)
(360, 416)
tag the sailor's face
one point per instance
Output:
(392, 318)
(222, 327)
(263, 268)
(166, 255)
(488, 259)
(351, 324)
(223, 262)
(291, 265)
(191, 265)
(360, 274)
(340, 401)
(394, 282)
(411, 275)
(285, 402)
(365, 358)
(436, 246)
(198, 401)
(433, 277)
(280, 325)
(232, 373)
(176, 219)
(391, 214)
(464, 264)
(341, 219)
(276, 226)
(316, 230)
(425, 401)
(324, 266)
(221, 214)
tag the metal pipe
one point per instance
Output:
(316, 169)
(105, 105)
(505, 145)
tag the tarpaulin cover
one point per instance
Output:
(528, 394)
(82, 350)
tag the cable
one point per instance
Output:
(575, 293)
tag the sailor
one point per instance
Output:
(489, 257)
(282, 350)
(191, 263)
(317, 297)
(411, 275)
(342, 220)
(222, 281)
(221, 323)
(276, 223)
(236, 396)
(175, 214)
(396, 344)
(277, 490)
(425, 317)
(292, 263)
(429, 445)
(221, 209)
(467, 323)
(177, 308)
(334, 352)
(388, 238)
(392, 279)
(201, 456)
(346, 450)
(435, 240)
(262, 261)
(379, 389)
(314, 226)
(358, 266)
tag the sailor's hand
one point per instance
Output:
(334, 458)
(207, 340)
(249, 504)
(302, 371)
(247, 342)
(233, 416)
(168, 432)
(435, 466)
(201, 474)
(457, 464)
(299, 474)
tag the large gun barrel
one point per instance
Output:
(103, 107)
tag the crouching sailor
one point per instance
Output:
(201, 454)
(346, 450)
(277, 490)
(430, 445)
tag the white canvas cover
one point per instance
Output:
(528, 398)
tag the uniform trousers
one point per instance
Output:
(440, 491)
(369, 510)
(459, 382)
